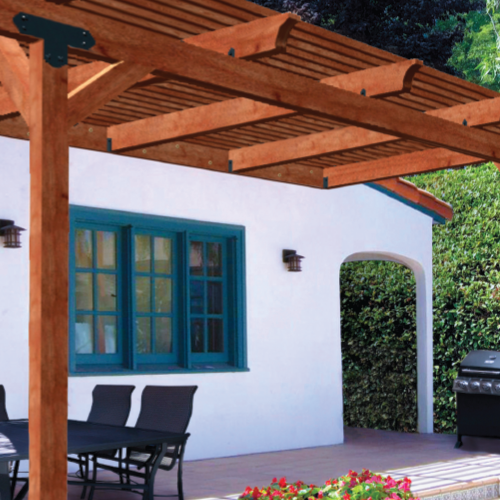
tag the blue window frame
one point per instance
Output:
(152, 293)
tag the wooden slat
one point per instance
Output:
(396, 166)
(14, 74)
(305, 147)
(49, 257)
(101, 88)
(261, 38)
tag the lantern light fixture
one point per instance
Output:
(11, 233)
(292, 259)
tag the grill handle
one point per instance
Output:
(484, 372)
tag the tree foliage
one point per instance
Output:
(421, 29)
(378, 312)
(476, 57)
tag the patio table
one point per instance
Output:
(83, 437)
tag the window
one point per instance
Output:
(155, 294)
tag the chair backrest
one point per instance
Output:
(3, 408)
(111, 404)
(166, 408)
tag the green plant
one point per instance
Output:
(378, 308)
(352, 486)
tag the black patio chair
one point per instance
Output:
(163, 408)
(110, 406)
(4, 417)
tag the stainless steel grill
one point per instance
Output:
(478, 387)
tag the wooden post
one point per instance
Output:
(49, 239)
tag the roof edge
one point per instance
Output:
(418, 199)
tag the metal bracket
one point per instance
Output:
(110, 144)
(231, 52)
(464, 123)
(57, 37)
(230, 166)
(363, 92)
(325, 182)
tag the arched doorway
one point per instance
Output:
(422, 284)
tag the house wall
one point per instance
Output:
(292, 395)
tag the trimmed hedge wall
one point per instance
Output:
(378, 308)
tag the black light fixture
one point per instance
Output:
(292, 259)
(11, 234)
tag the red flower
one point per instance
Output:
(247, 491)
(347, 496)
(320, 494)
(256, 493)
(282, 482)
(274, 480)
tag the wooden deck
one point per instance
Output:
(438, 471)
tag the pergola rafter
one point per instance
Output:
(230, 87)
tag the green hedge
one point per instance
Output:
(378, 308)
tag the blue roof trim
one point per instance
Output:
(437, 218)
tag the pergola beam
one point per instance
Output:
(101, 88)
(306, 147)
(396, 166)
(382, 81)
(257, 82)
(14, 75)
(192, 122)
(261, 38)
(476, 114)
(222, 116)
(76, 77)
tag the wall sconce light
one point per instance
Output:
(11, 234)
(291, 258)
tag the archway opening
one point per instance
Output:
(379, 344)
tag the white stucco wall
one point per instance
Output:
(292, 395)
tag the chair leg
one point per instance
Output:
(15, 473)
(180, 489)
(84, 470)
(94, 478)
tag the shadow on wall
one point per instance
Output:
(379, 345)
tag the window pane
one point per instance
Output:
(106, 250)
(163, 295)
(107, 334)
(143, 293)
(163, 335)
(106, 291)
(143, 335)
(214, 297)
(215, 335)
(197, 336)
(83, 292)
(214, 259)
(84, 335)
(83, 248)
(163, 255)
(197, 291)
(196, 258)
(142, 253)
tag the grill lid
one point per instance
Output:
(481, 360)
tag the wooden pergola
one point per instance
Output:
(223, 85)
